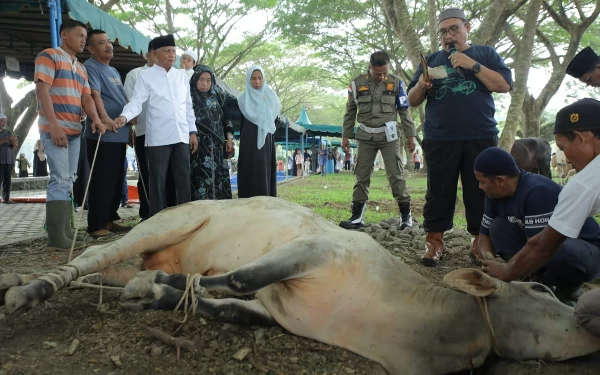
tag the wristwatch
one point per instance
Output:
(476, 68)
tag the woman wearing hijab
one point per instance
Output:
(260, 106)
(40, 164)
(209, 167)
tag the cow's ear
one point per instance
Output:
(471, 281)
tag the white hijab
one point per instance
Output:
(260, 106)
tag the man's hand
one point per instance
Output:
(345, 144)
(425, 85)
(58, 136)
(98, 126)
(14, 141)
(411, 144)
(229, 146)
(193, 143)
(461, 60)
(496, 269)
(120, 121)
(110, 125)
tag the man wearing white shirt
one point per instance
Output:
(140, 135)
(170, 123)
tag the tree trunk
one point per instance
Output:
(397, 13)
(522, 65)
(26, 105)
(434, 41)
(532, 117)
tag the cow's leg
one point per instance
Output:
(142, 238)
(159, 290)
(152, 296)
(114, 275)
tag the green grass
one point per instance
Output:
(334, 202)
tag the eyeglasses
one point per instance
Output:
(453, 30)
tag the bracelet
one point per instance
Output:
(229, 136)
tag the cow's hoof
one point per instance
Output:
(9, 280)
(142, 292)
(23, 298)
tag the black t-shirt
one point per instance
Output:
(531, 208)
(461, 108)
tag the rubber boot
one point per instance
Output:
(434, 248)
(69, 232)
(55, 226)
(405, 215)
(356, 220)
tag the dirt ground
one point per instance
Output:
(69, 335)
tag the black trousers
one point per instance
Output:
(106, 184)
(167, 160)
(445, 161)
(5, 180)
(576, 261)
(143, 183)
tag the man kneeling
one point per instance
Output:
(518, 206)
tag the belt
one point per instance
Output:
(372, 130)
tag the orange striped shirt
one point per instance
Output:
(68, 81)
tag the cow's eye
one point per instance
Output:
(541, 288)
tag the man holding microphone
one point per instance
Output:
(459, 124)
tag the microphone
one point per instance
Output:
(452, 50)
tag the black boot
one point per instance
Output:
(568, 294)
(405, 215)
(356, 221)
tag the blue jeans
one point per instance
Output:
(63, 166)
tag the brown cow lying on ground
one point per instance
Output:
(320, 281)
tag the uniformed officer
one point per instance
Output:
(585, 66)
(577, 133)
(374, 100)
(518, 205)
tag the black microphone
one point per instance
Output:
(452, 50)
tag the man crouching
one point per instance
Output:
(518, 206)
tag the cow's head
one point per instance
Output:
(528, 320)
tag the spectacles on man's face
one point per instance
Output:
(453, 30)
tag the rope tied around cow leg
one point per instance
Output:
(194, 290)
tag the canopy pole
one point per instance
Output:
(302, 151)
(287, 126)
(54, 33)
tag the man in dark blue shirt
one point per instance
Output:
(459, 124)
(518, 205)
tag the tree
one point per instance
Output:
(25, 110)
(205, 26)
(523, 63)
(570, 18)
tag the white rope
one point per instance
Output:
(483, 305)
(84, 198)
(194, 290)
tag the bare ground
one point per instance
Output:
(112, 340)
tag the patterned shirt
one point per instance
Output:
(531, 207)
(69, 82)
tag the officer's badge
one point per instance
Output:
(363, 88)
(574, 117)
(390, 86)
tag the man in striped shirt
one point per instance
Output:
(63, 94)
